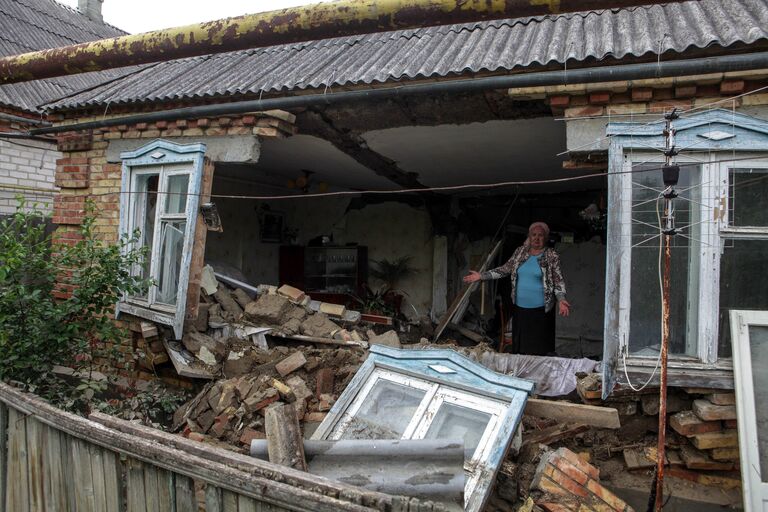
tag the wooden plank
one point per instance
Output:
(185, 494)
(135, 482)
(554, 433)
(731, 454)
(722, 398)
(55, 488)
(724, 439)
(18, 491)
(82, 472)
(635, 459)
(3, 452)
(708, 411)
(97, 476)
(603, 417)
(151, 490)
(458, 306)
(35, 450)
(113, 482)
(166, 489)
(697, 459)
(284, 439)
(246, 504)
(229, 501)
(720, 481)
(213, 500)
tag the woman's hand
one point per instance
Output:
(564, 307)
(472, 277)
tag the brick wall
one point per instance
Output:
(26, 168)
(82, 171)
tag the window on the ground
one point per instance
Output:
(432, 394)
(159, 199)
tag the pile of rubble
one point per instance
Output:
(231, 326)
(232, 410)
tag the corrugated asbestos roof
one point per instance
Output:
(29, 25)
(494, 46)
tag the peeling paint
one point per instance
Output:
(318, 21)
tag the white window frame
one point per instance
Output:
(755, 492)
(704, 256)
(445, 377)
(164, 159)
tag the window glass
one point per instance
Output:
(386, 412)
(645, 292)
(743, 284)
(143, 218)
(747, 190)
(176, 197)
(456, 422)
(758, 348)
(171, 246)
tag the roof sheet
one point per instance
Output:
(29, 25)
(494, 46)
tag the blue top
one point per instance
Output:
(530, 285)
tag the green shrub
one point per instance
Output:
(37, 330)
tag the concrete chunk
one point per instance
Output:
(389, 338)
(228, 304)
(269, 310)
(294, 294)
(318, 325)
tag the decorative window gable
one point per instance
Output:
(160, 193)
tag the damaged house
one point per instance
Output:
(336, 191)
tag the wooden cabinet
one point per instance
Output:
(325, 269)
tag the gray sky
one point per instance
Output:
(144, 15)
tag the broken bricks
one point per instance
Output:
(291, 363)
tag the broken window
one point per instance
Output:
(160, 194)
(432, 394)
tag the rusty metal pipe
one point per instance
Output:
(661, 446)
(316, 21)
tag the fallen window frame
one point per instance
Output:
(445, 377)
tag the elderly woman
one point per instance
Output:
(537, 288)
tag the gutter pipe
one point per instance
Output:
(25, 120)
(285, 26)
(678, 68)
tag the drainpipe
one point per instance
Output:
(707, 65)
(317, 21)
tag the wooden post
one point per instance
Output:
(285, 444)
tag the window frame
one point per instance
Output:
(737, 136)
(446, 377)
(164, 159)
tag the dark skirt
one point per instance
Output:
(533, 331)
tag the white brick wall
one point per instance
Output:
(27, 168)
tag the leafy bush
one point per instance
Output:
(37, 330)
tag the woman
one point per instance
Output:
(537, 287)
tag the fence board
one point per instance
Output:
(246, 504)
(185, 494)
(135, 481)
(229, 500)
(97, 477)
(54, 488)
(213, 501)
(18, 484)
(83, 473)
(66, 464)
(3, 452)
(113, 482)
(166, 490)
(151, 490)
(35, 448)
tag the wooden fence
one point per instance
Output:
(51, 460)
